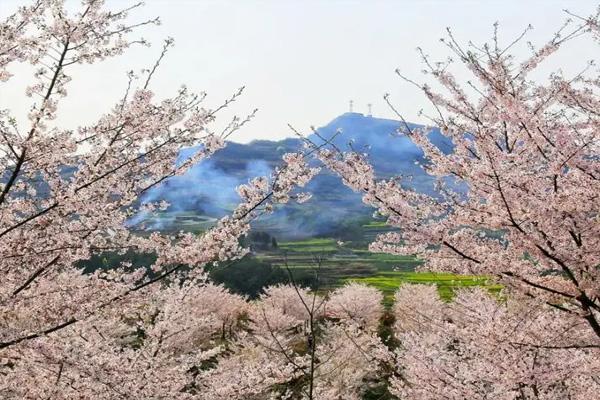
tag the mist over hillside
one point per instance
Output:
(207, 190)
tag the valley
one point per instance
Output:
(326, 263)
(334, 226)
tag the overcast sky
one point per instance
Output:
(302, 61)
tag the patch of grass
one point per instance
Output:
(314, 245)
(376, 224)
(310, 242)
(391, 257)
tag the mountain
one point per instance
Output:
(207, 190)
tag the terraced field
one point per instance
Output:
(186, 221)
(341, 263)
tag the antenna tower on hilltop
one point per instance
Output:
(370, 109)
(351, 105)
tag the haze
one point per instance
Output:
(302, 61)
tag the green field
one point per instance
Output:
(175, 221)
(375, 224)
(352, 262)
(341, 262)
(313, 245)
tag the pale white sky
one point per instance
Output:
(302, 61)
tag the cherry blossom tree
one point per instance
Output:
(528, 153)
(149, 349)
(477, 347)
(297, 348)
(358, 303)
(67, 194)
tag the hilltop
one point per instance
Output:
(207, 190)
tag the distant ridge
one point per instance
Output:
(208, 188)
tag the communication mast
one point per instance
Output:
(370, 111)
(351, 105)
